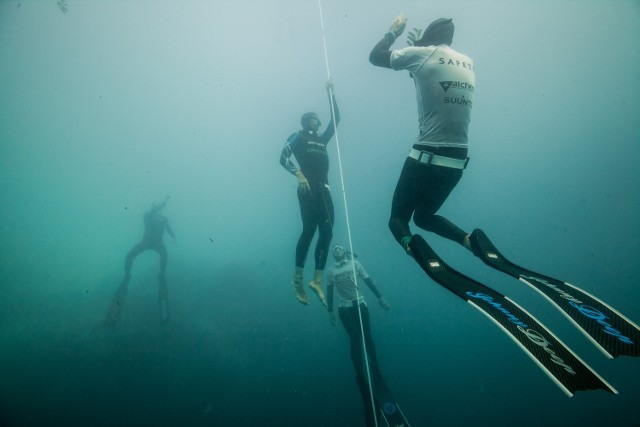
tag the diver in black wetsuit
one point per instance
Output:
(316, 207)
(155, 224)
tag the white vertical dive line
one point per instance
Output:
(346, 213)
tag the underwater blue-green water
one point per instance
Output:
(107, 107)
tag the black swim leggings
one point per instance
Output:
(316, 209)
(351, 321)
(421, 191)
(143, 246)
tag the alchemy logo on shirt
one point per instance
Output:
(456, 85)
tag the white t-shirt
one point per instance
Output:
(341, 276)
(445, 81)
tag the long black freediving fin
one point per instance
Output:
(117, 303)
(610, 331)
(163, 300)
(388, 408)
(561, 364)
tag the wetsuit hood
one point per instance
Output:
(338, 252)
(438, 32)
(306, 119)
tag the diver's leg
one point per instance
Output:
(309, 218)
(403, 204)
(304, 241)
(439, 183)
(442, 227)
(350, 320)
(325, 234)
(162, 251)
(371, 348)
(133, 253)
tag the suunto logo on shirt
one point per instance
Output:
(456, 85)
(458, 100)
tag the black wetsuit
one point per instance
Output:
(154, 226)
(316, 206)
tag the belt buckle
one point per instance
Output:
(425, 154)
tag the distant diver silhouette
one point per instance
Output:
(155, 224)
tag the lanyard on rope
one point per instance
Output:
(346, 212)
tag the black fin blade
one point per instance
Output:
(561, 364)
(613, 333)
